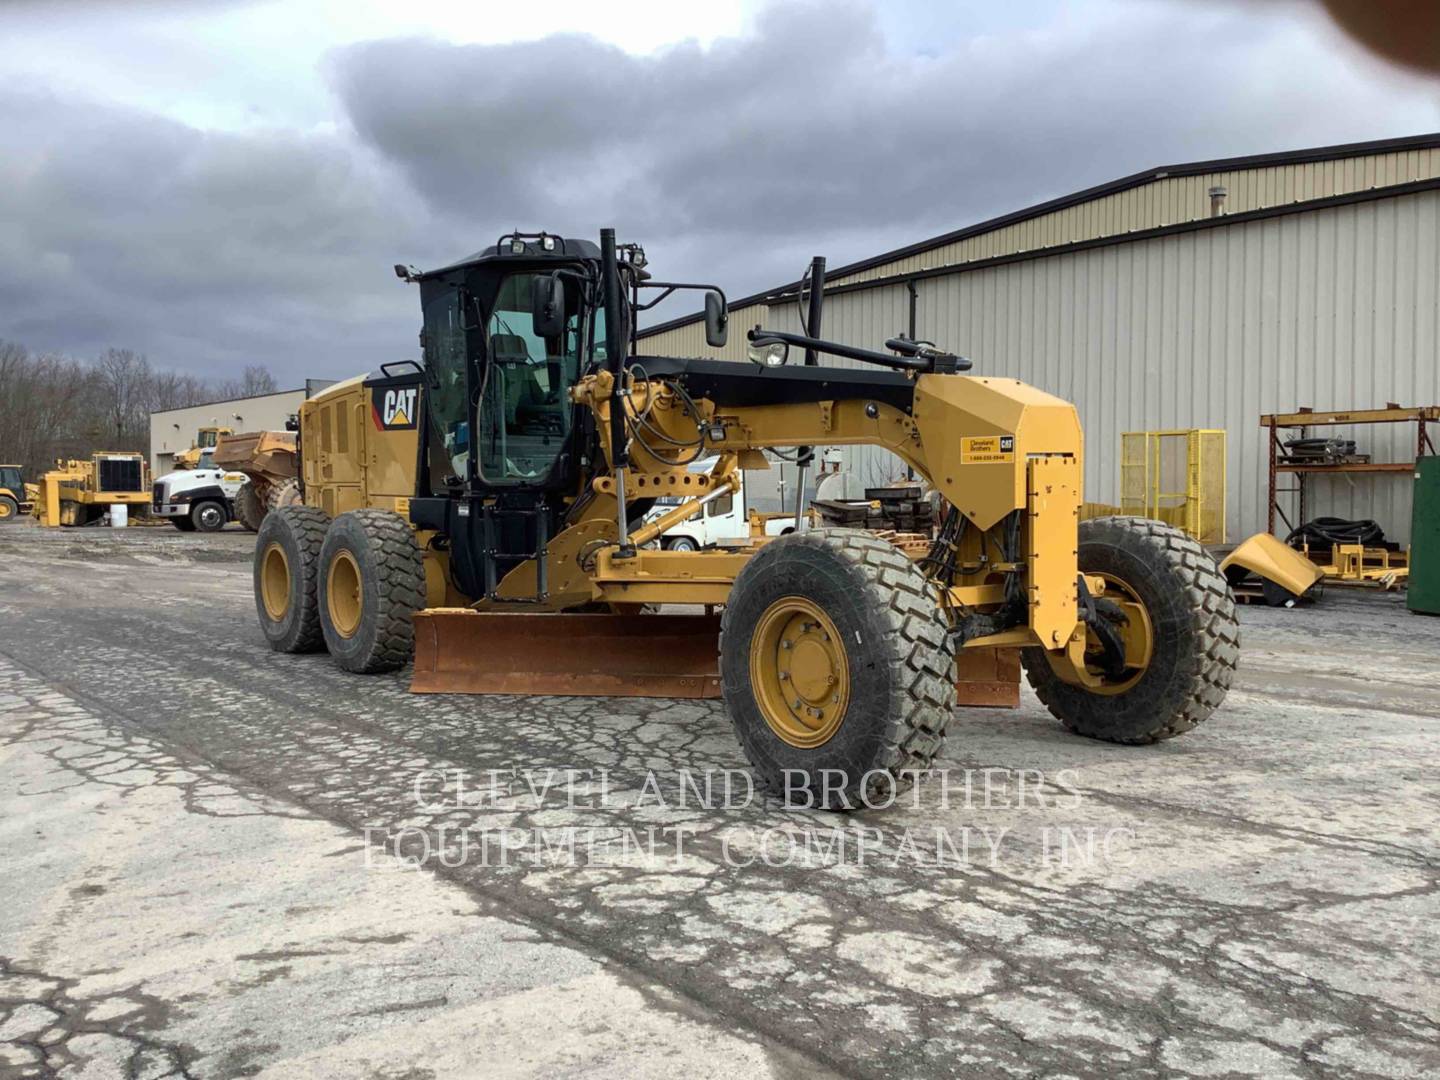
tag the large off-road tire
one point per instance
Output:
(845, 625)
(9, 510)
(372, 581)
(287, 568)
(286, 494)
(249, 507)
(1193, 630)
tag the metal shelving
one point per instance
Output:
(1307, 418)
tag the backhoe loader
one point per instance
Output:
(486, 511)
(16, 496)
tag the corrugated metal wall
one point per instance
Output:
(1164, 201)
(1171, 200)
(689, 340)
(1334, 308)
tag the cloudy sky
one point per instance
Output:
(224, 183)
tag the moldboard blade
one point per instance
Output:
(459, 651)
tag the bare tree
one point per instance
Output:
(58, 407)
(51, 407)
(128, 382)
(257, 380)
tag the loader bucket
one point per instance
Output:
(459, 651)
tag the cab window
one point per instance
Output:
(525, 406)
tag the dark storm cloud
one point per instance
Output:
(206, 250)
(731, 163)
(811, 134)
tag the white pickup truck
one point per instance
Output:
(723, 521)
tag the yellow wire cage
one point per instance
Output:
(1176, 477)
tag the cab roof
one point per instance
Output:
(501, 251)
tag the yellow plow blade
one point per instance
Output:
(459, 651)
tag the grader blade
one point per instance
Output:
(459, 651)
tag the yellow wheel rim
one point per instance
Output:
(5, 510)
(1138, 635)
(343, 594)
(275, 582)
(800, 672)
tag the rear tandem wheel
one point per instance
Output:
(287, 564)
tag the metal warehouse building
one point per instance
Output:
(1199, 295)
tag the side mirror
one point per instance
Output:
(547, 307)
(717, 320)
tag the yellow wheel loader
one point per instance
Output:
(206, 438)
(484, 511)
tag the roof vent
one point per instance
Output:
(1217, 200)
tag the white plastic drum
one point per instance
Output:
(119, 515)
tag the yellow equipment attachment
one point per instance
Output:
(268, 454)
(1274, 561)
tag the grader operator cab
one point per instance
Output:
(485, 511)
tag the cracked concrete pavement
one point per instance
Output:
(219, 861)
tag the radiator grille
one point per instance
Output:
(121, 474)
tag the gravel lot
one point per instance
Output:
(219, 861)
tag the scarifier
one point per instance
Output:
(482, 511)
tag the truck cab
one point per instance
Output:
(201, 498)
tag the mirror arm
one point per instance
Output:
(671, 286)
(942, 363)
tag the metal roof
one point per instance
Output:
(1124, 183)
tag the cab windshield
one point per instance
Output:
(525, 407)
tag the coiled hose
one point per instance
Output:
(1324, 531)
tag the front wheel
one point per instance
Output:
(836, 668)
(681, 543)
(9, 510)
(1176, 615)
(208, 516)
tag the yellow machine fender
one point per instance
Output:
(1271, 559)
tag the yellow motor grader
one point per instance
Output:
(483, 512)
